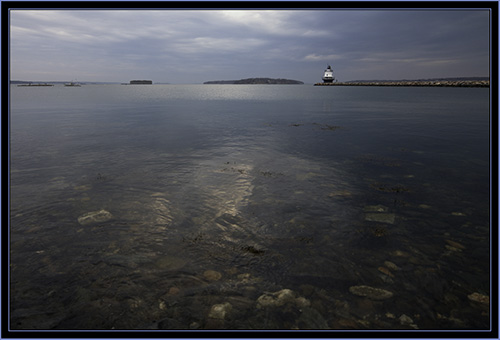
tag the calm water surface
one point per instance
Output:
(249, 207)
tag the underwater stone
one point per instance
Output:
(385, 271)
(382, 217)
(95, 217)
(476, 297)
(194, 325)
(450, 248)
(405, 320)
(400, 253)
(391, 265)
(173, 291)
(455, 244)
(280, 298)
(219, 311)
(375, 208)
(265, 301)
(370, 292)
(212, 275)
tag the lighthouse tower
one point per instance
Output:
(328, 75)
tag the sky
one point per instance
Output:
(194, 46)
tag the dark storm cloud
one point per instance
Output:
(422, 33)
(195, 46)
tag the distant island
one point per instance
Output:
(257, 81)
(141, 82)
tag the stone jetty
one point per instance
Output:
(437, 83)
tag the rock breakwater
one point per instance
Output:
(436, 83)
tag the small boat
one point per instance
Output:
(72, 84)
(328, 75)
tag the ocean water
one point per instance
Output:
(249, 207)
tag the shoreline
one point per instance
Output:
(444, 83)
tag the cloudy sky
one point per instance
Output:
(193, 46)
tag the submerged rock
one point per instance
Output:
(378, 213)
(455, 244)
(405, 320)
(480, 298)
(340, 193)
(95, 217)
(281, 298)
(391, 265)
(400, 253)
(385, 271)
(381, 217)
(375, 208)
(219, 311)
(275, 299)
(450, 248)
(212, 275)
(174, 291)
(370, 292)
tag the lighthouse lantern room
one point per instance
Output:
(328, 75)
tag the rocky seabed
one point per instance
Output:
(360, 274)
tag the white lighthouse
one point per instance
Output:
(328, 75)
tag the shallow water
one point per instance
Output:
(222, 194)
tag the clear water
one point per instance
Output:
(222, 194)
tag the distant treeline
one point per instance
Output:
(14, 82)
(256, 81)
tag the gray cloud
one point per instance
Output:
(192, 46)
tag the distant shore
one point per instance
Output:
(257, 81)
(443, 83)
